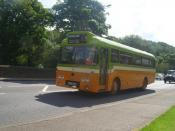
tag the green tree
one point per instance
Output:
(22, 31)
(52, 51)
(76, 15)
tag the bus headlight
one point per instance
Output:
(85, 80)
(60, 77)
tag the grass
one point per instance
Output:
(165, 122)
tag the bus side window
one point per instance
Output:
(146, 62)
(125, 58)
(114, 55)
(137, 60)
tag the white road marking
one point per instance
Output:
(31, 85)
(71, 90)
(2, 93)
(55, 91)
(45, 88)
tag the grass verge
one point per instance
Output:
(165, 122)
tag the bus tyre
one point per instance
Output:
(115, 87)
(145, 83)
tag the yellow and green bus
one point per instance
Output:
(95, 64)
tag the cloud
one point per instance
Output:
(151, 19)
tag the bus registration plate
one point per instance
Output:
(72, 83)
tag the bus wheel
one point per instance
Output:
(145, 83)
(115, 87)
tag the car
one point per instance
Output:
(170, 76)
(159, 76)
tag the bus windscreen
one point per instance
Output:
(79, 55)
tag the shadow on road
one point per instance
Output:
(77, 99)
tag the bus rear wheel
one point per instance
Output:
(145, 84)
(115, 87)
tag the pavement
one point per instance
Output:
(41, 106)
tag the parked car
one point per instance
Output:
(170, 76)
(159, 76)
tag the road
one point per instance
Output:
(30, 104)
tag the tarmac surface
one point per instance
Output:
(41, 106)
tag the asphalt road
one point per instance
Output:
(23, 102)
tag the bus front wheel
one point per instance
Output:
(115, 87)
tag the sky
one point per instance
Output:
(151, 19)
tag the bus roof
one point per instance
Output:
(122, 46)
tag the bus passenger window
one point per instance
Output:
(145, 62)
(114, 55)
(137, 60)
(125, 59)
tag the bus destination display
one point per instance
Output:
(76, 38)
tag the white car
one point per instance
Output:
(159, 76)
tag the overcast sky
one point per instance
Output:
(150, 19)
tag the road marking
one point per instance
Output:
(71, 90)
(45, 88)
(56, 91)
(31, 85)
(2, 93)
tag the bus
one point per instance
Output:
(94, 64)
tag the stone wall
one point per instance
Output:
(25, 72)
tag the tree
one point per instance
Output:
(76, 15)
(22, 31)
(51, 54)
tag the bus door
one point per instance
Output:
(103, 67)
